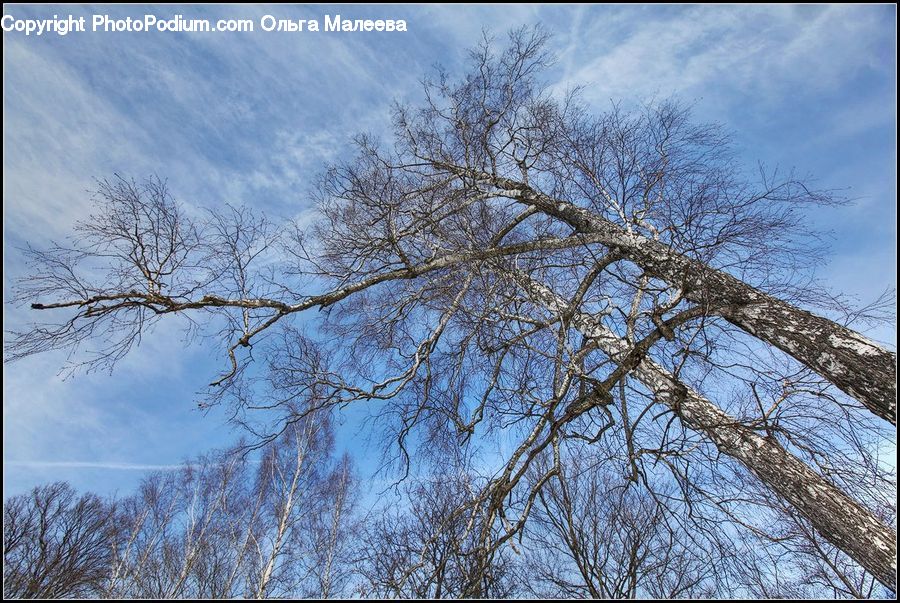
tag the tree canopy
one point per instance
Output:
(594, 321)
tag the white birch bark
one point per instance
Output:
(837, 517)
(857, 366)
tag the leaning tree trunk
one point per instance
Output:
(857, 366)
(837, 517)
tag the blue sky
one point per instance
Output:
(252, 117)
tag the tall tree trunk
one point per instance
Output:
(287, 500)
(857, 366)
(837, 517)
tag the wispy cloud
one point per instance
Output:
(747, 57)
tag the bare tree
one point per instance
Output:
(843, 521)
(431, 550)
(55, 544)
(226, 527)
(299, 548)
(593, 536)
(335, 528)
(516, 270)
(185, 533)
(223, 526)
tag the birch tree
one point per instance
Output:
(514, 272)
(226, 526)
(844, 522)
